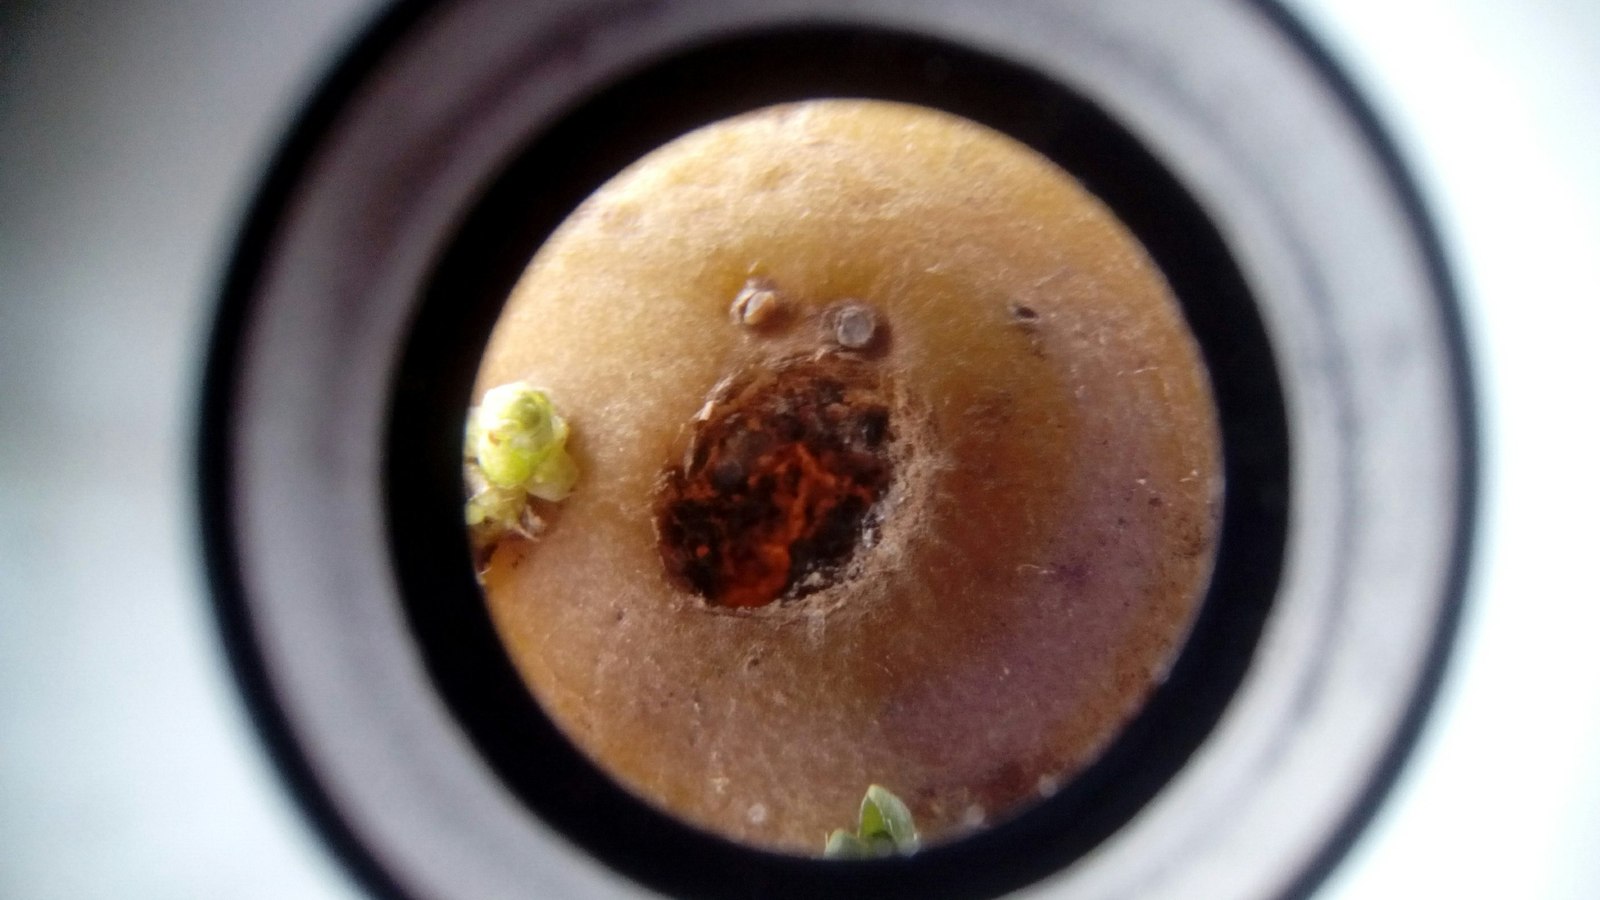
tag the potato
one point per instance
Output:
(899, 465)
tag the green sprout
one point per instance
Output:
(885, 829)
(516, 448)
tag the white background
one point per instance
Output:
(133, 134)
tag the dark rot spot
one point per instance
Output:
(780, 484)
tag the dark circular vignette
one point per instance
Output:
(610, 131)
(430, 397)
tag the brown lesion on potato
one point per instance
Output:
(781, 483)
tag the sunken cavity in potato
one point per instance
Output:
(899, 466)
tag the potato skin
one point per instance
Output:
(1045, 545)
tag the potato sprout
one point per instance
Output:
(516, 447)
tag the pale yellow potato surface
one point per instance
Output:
(1044, 548)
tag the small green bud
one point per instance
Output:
(885, 829)
(515, 447)
(885, 815)
(517, 430)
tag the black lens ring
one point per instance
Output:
(612, 129)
